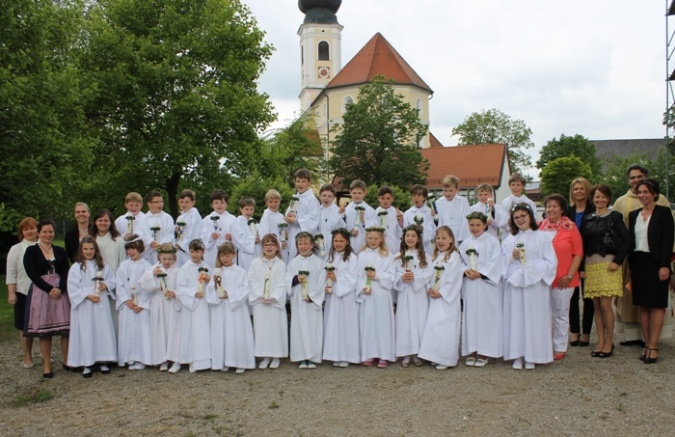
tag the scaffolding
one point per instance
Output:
(669, 117)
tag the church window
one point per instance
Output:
(346, 101)
(324, 52)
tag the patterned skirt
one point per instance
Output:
(46, 316)
(599, 281)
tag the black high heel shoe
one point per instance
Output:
(67, 368)
(648, 358)
(49, 375)
(644, 354)
(575, 343)
(607, 354)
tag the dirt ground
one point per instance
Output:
(579, 396)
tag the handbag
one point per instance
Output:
(610, 240)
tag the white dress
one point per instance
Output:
(112, 251)
(307, 219)
(270, 321)
(164, 313)
(195, 319)
(341, 314)
(165, 234)
(428, 225)
(232, 342)
(369, 219)
(306, 317)
(376, 312)
(413, 304)
(133, 340)
(191, 231)
(92, 333)
(440, 340)
(527, 297)
(247, 252)
(482, 320)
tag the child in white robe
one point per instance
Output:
(329, 220)
(390, 218)
(482, 294)
(267, 296)
(134, 347)
(220, 226)
(273, 222)
(231, 331)
(158, 226)
(305, 282)
(195, 324)
(518, 195)
(92, 334)
(188, 225)
(452, 209)
(341, 314)
(420, 214)
(302, 214)
(359, 215)
(248, 229)
(160, 282)
(376, 272)
(440, 340)
(497, 217)
(413, 271)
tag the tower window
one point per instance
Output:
(324, 52)
(346, 101)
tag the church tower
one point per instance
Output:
(320, 46)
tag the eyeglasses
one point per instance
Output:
(520, 217)
(270, 245)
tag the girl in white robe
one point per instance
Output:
(413, 271)
(134, 346)
(160, 282)
(267, 296)
(341, 314)
(195, 319)
(482, 294)
(231, 331)
(440, 340)
(92, 333)
(305, 282)
(376, 272)
(529, 270)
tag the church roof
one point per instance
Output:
(473, 165)
(377, 58)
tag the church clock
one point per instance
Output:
(324, 72)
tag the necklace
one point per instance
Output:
(47, 249)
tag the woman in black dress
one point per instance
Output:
(651, 232)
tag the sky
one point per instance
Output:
(595, 68)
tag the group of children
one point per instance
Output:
(187, 290)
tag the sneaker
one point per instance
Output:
(441, 367)
(164, 367)
(175, 368)
(137, 366)
(86, 372)
(344, 364)
(225, 369)
(382, 364)
(311, 365)
(104, 369)
(240, 370)
(275, 363)
(471, 361)
(529, 366)
(192, 368)
(518, 364)
(303, 365)
(336, 364)
(481, 362)
(264, 363)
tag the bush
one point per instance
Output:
(256, 186)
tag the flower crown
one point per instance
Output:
(521, 205)
(375, 229)
(170, 250)
(417, 228)
(477, 215)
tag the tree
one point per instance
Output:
(495, 127)
(379, 139)
(174, 91)
(577, 146)
(256, 186)
(614, 175)
(557, 176)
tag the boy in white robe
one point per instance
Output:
(453, 208)
(273, 222)
(220, 226)
(497, 217)
(329, 220)
(302, 214)
(389, 218)
(158, 227)
(231, 331)
(248, 229)
(188, 225)
(518, 195)
(131, 222)
(359, 215)
(420, 214)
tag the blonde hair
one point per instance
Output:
(383, 246)
(272, 194)
(450, 181)
(133, 197)
(587, 188)
(484, 187)
(452, 247)
(227, 248)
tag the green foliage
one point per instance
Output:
(256, 186)
(559, 173)
(402, 198)
(614, 175)
(379, 139)
(658, 171)
(578, 146)
(494, 127)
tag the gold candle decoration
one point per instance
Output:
(357, 219)
(130, 223)
(202, 279)
(319, 242)
(155, 229)
(218, 281)
(266, 286)
(98, 278)
(251, 225)
(472, 253)
(439, 271)
(329, 282)
(406, 260)
(293, 207)
(162, 283)
(369, 281)
(282, 232)
(304, 273)
(382, 215)
(521, 251)
(180, 228)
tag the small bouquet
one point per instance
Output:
(179, 231)
(202, 279)
(521, 250)
(406, 260)
(357, 220)
(382, 215)
(251, 225)
(134, 296)
(154, 230)
(266, 287)
(283, 235)
(98, 278)
(329, 282)
(318, 238)
(162, 283)
(437, 279)
(130, 223)
(472, 257)
(218, 280)
(304, 273)
(214, 219)
(293, 207)
(369, 281)
(419, 220)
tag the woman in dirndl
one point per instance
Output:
(48, 307)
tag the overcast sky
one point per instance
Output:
(596, 68)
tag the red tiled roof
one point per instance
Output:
(377, 58)
(433, 141)
(473, 165)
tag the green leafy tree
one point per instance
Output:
(379, 139)
(402, 198)
(174, 91)
(565, 146)
(256, 186)
(494, 127)
(614, 175)
(659, 169)
(559, 173)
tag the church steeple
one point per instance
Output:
(320, 45)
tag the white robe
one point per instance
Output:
(393, 233)
(92, 333)
(112, 251)
(122, 224)
(270, 321)
(508, 203)
(164, 314)
(133, 342)
(225, 224)
(306, 317)
(527, 297)
(329, 220)
(376, 312)
(452, 213)
(482, 320)
(269, 224)
(500, 219)
(195, 342)
(232, 342)
(428, 225)
(440, 340)
(341, 314)
(166, 234)
(248, 250)
(369, 219)
(306, 219)
(192, 230)
(412, 305)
